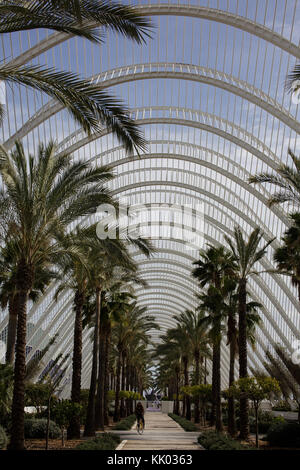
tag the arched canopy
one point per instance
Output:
(208, 92)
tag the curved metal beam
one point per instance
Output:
(173, 9)
(198, 120)
(174, 70)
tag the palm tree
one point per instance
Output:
(9, 295)
(89, 105)
(287, 257)
(246, 255)
(180, 336)
(133, 327)
(213, 306)
(287, 180)
(45, 194)
(197, 336)
(214, 263)
(172, 352)
(253, 319)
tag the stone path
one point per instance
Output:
(161, 433)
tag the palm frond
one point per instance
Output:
(91, 107)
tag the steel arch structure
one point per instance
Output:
(213, 116)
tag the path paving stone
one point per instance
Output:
(161, 433)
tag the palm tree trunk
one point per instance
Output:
(186, 382)
(232, 353)
(122, 406)
(214, 375)
(106, 378)
(99, 410)
(244, 406)
(219, 424)
(118, 374)
(89, 429)
(12, 328)
(197, 377)
(24, 285)
(73, 431)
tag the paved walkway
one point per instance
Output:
(161, 433)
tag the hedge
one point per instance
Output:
(184, 423)
(125, 423)
(106, 441)
(212, 440)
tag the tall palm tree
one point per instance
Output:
(89, 105)
(133, 327)
(287, 180)
(171, 350)
(45, 194)
(214, 263)
(253, 319)
(212, 304)
(198, 341)
(180, 336)
(246, 254)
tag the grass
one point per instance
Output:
(184, 423)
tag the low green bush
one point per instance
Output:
(106, 441)
(184, 423)
(212, 440)
(36, 429)
(265, 420)
(125, 423)
(284, 435)
(3, 438)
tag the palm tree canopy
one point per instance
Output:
(247, 253)
(44, 195)
(90, 106)
(287, 180)
(84, 18)
(213, 264)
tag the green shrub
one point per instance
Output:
(212, 440)
(265, 420)
(3, 439)
(106, 441)
(284, 435)
(184, 423)
(125, 423)
(36, 429)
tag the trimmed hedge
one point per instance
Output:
(125, 423)
(284, 435)
(106, 441)
(212, 440)
(3, 439)
(36, 429)
(184, 423)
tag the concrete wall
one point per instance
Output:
(167, 406)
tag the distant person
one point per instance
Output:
(139, 413)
